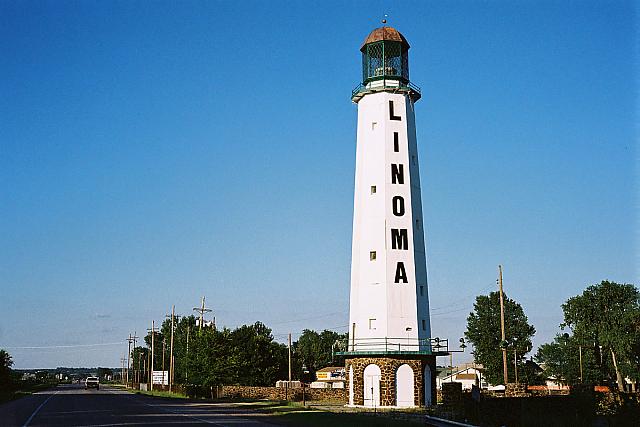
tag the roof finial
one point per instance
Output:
(384, 20)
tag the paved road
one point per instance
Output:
(72, 405)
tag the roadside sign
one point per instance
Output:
(160, 377)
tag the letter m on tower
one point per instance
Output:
(399, 239)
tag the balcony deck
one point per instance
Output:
(393, 346)
(386, 85)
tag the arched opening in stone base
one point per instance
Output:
(404, 387)
(372, 386)
(428, 398)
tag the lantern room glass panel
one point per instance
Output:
(385, 59)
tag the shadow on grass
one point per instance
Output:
(318, 418)
(24, 390)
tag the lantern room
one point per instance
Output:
(385, 64)
(385, 55)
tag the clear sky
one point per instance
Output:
(155, 152)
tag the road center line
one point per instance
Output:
(38, 409)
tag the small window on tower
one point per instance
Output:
(372, 324)
(373, 125)
(424, 325)
(372, 255)
(421, 290)
(373, 189)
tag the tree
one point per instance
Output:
(560, 359)
(608, 315)
(256, 358)
(483, 331)
(105, 373)
(5, 369)
(208, 359)
(246, 356)
(315, 349)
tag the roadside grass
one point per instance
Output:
(24, 390)
(286, 413)
(294, 414)
(164, 394)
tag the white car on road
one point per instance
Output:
(92, 382)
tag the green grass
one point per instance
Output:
(165, 394)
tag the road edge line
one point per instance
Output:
(38, 409)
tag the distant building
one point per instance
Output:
(468, 376)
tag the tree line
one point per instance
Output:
(247, 355)
(599, 342)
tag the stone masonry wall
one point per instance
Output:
(388, 368)
(278, 393)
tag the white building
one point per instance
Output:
(468, 376)
(389, 325)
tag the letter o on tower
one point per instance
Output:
(398, 206)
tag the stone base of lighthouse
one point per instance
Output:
(393, 381)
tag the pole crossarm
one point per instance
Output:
(202, 310)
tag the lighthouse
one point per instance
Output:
(390, 355)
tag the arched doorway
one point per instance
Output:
(404, 387)
(351, 385)
(372, 386)
(428, 398)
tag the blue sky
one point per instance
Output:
(155, 152)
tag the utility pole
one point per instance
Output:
(153, 334)
(129, 340)
(450, 367)
(202, 310)
(171, 358)
(135, 340)
(164, 345)
(504, 347)
(515, 362)
(289, 359)
(186, 372)
(122, 360)
(580, 349)
(172, 363)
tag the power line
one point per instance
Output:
(462, 298)
(40, 347)
(449, 312)
(308, 318)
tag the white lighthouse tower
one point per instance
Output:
(389, 355)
